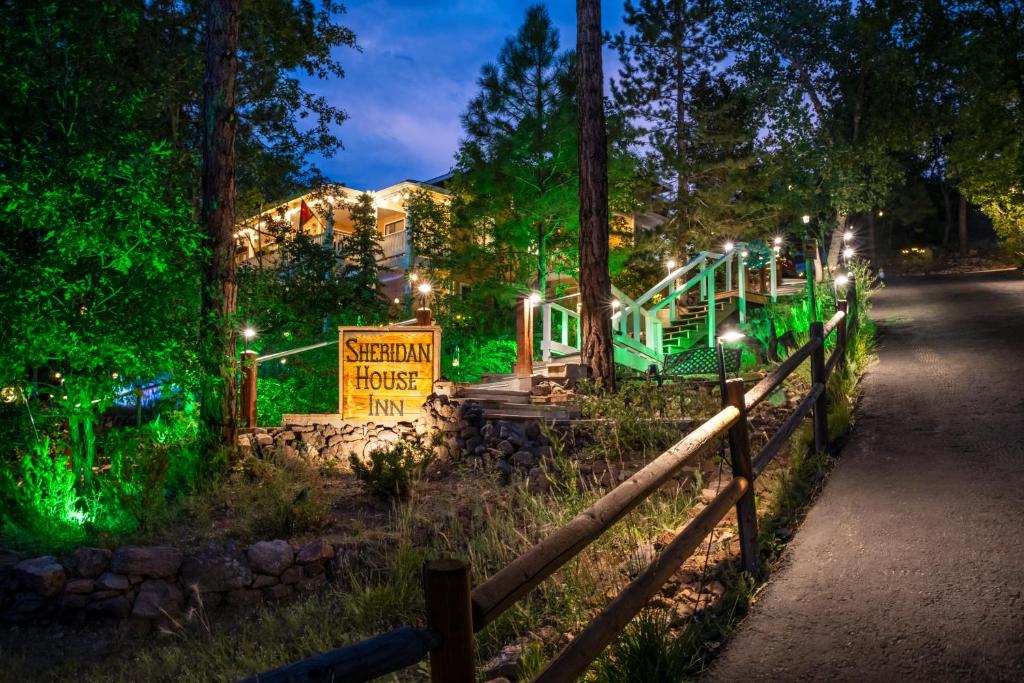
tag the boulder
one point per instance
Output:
(314, 551)
(263, 580)
(525, 458)
(80, 586)
(270, 557)
(108, 581)
(44, 575)
(91, 562)
(118, 607)
(152, 561)
(217, 569)
(158, 599)
(278, 592)
(245, 597)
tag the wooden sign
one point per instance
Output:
(386, 373)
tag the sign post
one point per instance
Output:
(386, 373)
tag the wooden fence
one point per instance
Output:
(455, 612)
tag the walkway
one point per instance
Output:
(910, 567)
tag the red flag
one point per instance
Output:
(305, 214)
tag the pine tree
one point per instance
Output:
(518, 160)
(363, 249)
(666, 56)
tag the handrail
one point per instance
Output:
(453, 661)
(318, 345)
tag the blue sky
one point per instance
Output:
(416, 73)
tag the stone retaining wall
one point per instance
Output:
(151, 585)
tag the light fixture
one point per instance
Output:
(745, 253)
(881, 213)
(413, 277)
(535, 297)
(56, 375)
(397, 300)
(848, 253)
(806, 219)
(848, 236)
(616, 304)
(731, 336)
(114, 375)
(842, 280)
(671, 264)
(777, 241)
(728, 247)
(424, 288)
(284, 361)
(248, 333)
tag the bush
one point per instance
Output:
(391, 471)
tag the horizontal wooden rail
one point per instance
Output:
(362, 661)
(585, 647)
(786, 429)
(503, 589)
(773, 379)
(833, 322)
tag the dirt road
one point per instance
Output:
(910, 566)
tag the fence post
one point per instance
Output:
(739, 451)
(249, 373)
(841, 331)
(818, 377)
(524, 341)
(450, 613)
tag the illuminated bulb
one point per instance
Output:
(249, 333)
(616, 303)
(777, 241)
(413, 277)
(848, 236)
(113, 375)
(842, 280)
(806, 219)
(848, 253)
(56, 375)
(397, 300)
(455, 362)
(732, 336)
(671, 264)
(881, 213)
(534, 297)
(745, 254)
(728, 247)
(424, 288)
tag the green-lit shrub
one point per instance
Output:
(477, 358)
(391, 471)
(40, 498)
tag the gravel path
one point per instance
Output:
(910, 566)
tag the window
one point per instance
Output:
(394, 226)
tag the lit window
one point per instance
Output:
(394, 226)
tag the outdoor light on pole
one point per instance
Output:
(247, 334)
(777, 241)
(728, 337)
(847, 254)
(671, 265)
(806, 219)
(729, 247)
(535, 298)
(848, 235)
(423, 315)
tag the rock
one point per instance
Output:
(270, 557)
(104, 594)
(28, 602)
(311, 584)
(91, 562)
(314, 551)
(264, 440)
(278, 592)
(681, 613)
(44, 575)
(117, 607)
(537, 482)
(158, 599)
(245, 597)
(244, 441)
(311, 570)
(291, 575)
(217, 569)
(73, 601)
(80, 586)
(286, 436)
(263, 580)
(506, 446)
(505, 664)
(109, 581)
(153, 561)
(525, 458)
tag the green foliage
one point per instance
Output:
(363, 248)
(391, 472)
(477, 357)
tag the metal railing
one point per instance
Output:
(455, 613)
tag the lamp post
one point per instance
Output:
(423, 314)
(729, 337)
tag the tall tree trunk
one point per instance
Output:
(948, 206)
(835, 247)
(963, 226)
(219, 293)
(542, 260)
(872, 253)
(595, 281)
